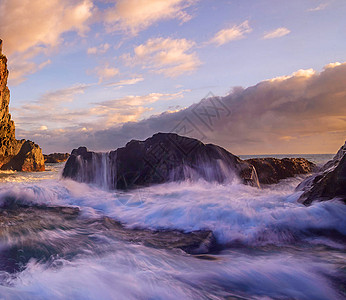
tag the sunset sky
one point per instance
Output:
(100, 73)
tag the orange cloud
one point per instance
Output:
(233, 33)
(133, 16)
(171, 57)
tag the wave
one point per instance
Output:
(137, 272)
(271, 247)
(236, 213)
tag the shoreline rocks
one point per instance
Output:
(327, 184)
(16, 155)
(167, 157)
(272, 170)
(164, 157)
(55, 158)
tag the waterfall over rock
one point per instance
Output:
(162, 158)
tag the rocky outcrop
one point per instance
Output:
(329, 183)
(28, 159)
(272, 170)
(55, 158)
(19, 155)
(162, 158)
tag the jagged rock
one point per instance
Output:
(162, 158)
(28, 159)
(329, 183)
(272, 170)
(54, 158)
(19, 155)
(336, 159)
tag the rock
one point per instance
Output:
(329, 183)
(162, 158)
(28, 159)
(54, 158)
(336, 159)
(194, 242)
(19, 155)
(272, 170)
(41, 232)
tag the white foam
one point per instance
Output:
(234, 212)
(137, 272)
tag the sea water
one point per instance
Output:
(272, 247)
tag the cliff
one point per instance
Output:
(18, 155)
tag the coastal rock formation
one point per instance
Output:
(272, 170)
(162, 158)
(54, 158)
(329, 183)
(19, 155)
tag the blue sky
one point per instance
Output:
(89, 66)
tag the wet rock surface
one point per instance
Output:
(41, 232)
(327, 184)
(162, 158)
(272, 170)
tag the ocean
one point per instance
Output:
(272, 247)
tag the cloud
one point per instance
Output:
(233, 33)
(277, 33)
(129, 108)
(170, 57)
(28, 28)
(123, 82)
(133, 16)
(20, 69)
(99, 50)
(53, 116)
(299, 73)
(62, 95)
(50, 109)
(105, 72)
(301, 113)
(319, 7)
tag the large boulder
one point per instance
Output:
(162, 158)
(329, 183)
(28, 159)
(272, 170)
(18, 155)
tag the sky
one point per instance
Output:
(100, 73)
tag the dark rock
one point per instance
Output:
(41, 232)
(18, 155)
(272, 170)
(329, 183)
(162, 158)
(195, 242)
(336, 159)
(54, 158)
